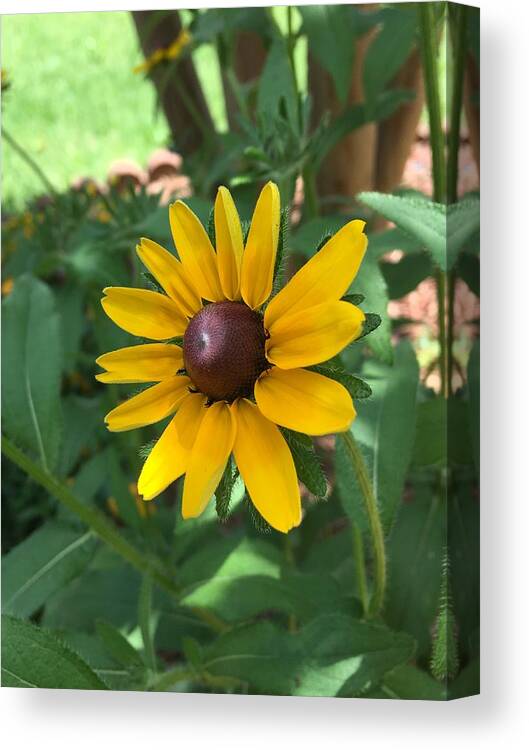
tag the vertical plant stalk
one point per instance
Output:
(21, 151)
(360, 567)
(429, 52)
(457, 16)
(375, 524)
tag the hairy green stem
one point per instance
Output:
(100, 525)
(360, 567)
(21, 151)
(375, 524)
(429, 51)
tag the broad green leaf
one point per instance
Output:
(332, 655)
(118, 646)
(405, 275)
(42, 565)
(385, 432)
(468, 269)
(415, 548)
(409, 683)
(389, 49)
(99, 658)
(33, 657)
(442, 230)
(31, 370)
(370, 282)
(82, 417)
(70, 305)
(277, 84)
(442, 433)
(331, 30)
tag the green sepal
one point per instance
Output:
(152, 283)
(307, 463)
(262, 526)
(326, 237)
(281, 244)
(145, 450)
(357, 387)
(371, 323)
(211, 227)
(224, 490)
(354, 299)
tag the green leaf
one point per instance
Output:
(332, 655)
(409, 683)
(33, 657)
(308, 466)
(385, 432)
(370, 282)
(276, 85)
(415, 549)
(442, 434)
(389, 49)
(405, 275)
(442, 230)
(357, 387)
(118, 646)
(468, 269)
(42, 565)
(31, 370)
(71, 307)
(82, 417)
(330, 30)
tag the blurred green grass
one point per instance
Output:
(74, 103)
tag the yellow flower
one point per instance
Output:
(241, 371)
(172, 52)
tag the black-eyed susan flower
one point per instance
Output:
(241, 372)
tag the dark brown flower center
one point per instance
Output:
(224, 350)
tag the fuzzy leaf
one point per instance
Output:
(308, 466)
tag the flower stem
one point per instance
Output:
(100, 525)
(375, 524)
(360, 567)
(429, 45)
(21, 151)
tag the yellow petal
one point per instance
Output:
(267, 467)
(169, 458)
(195, 251)
(314, 335)
(211, 450)
(304, 401)
(146, 363)
(229, 242)
(171, 275)
(325, 277)
(259, 257)
(144, 313)
(150, 406)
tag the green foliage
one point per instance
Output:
(33, 657)
(31, 369)
(42, 565)
(330, 30)
(385, 431)
(357, 387)
(389, 49)
(332, 655)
